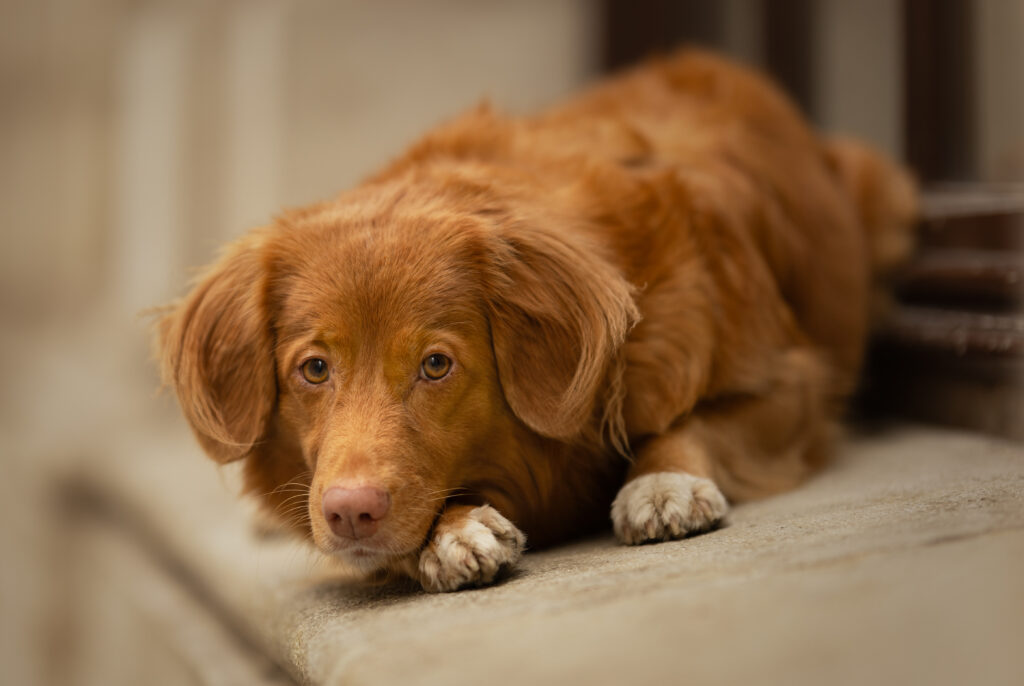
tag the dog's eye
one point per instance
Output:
(436, 366)
(314, 370)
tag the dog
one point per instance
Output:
(649, 301)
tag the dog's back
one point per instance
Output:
(822, 215)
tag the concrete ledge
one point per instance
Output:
(904, 562)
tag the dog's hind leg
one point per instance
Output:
(738, 447)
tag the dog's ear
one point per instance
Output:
(558, 314)
(216, 351)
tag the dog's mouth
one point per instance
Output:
(368, 552)
(369, 557)
(376, 551)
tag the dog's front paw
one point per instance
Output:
(666, 505)
(469, 548)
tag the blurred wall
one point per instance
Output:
(999, 70)
(140, 135)
(858, 79)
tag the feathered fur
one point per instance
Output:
(668, 273)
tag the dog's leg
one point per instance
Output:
(741, 446)
(469, 547)
(669, 492)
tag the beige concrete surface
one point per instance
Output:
(902, 563)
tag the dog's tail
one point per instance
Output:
(886, 199)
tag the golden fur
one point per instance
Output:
(668, 273)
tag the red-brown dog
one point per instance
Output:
(658, 289)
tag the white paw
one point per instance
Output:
(666, 505)
(470, 551)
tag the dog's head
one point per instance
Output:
(372, 358)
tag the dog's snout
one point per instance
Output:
(355, 512)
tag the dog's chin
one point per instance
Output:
(363, 560)
(367, 560)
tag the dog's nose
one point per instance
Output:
(355, 512)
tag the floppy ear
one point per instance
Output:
(216, 351)
(558, 313)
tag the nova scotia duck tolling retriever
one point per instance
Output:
(646, 303)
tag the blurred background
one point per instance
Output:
(138, 135)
